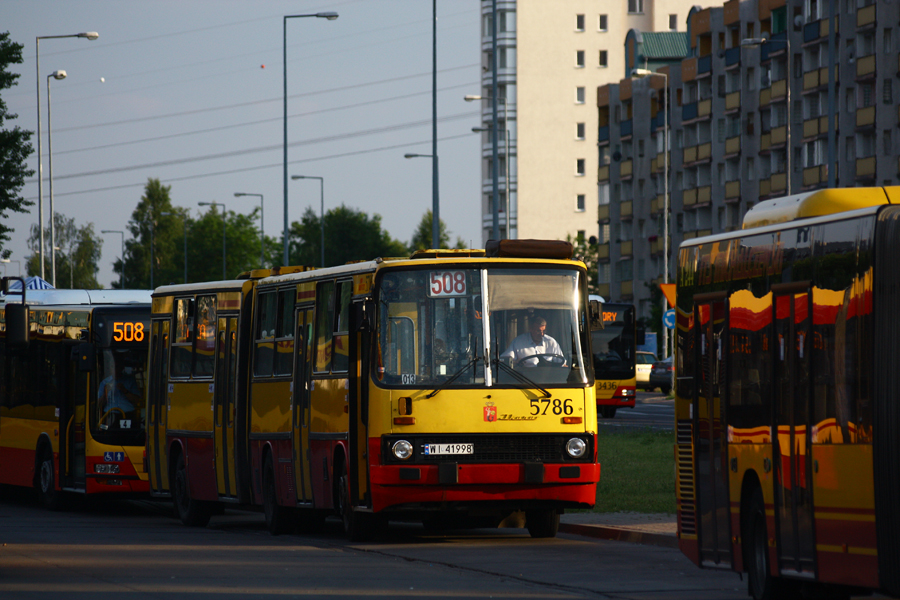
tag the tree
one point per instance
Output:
(350, 235)
(14, 143)
(148, 226)
(422, 237)
(587, 253)
(205, 246)
(76, 260)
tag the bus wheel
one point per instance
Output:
(358, 526)
(760, 583)
(542, 523)
(49, 496)
(192, 513)
(278, 518)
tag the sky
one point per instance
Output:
(190, 92)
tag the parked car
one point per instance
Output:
(642, 364)
(662, 375)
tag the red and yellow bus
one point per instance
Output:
(72, 392)
(788, 368)
(378, 390)
(614, 349)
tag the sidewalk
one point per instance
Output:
(638, 528)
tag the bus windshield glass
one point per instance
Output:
(434, 326)
(118, 405)
(613, 346)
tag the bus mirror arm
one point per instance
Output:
(365, 315)
(17, 326)
(83, 353)
(595, 314)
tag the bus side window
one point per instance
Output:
(265, 335)
(181, 344)
(284, 345)
(205, 338)
(341, 359)
(324, 321)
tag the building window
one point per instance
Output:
(887, 141)
(579, 22)
(579, 131)
(602, 59)
(635, 6)
(673, 22)
(602, 23)
(579, 203)
(888, 92)
(579, 167)
(579, 95)
(579, 59)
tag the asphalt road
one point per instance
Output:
(136, 550)
(652, 410)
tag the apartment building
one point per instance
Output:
(551, 58)
(753, 113)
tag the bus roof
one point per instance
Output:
(818, 203)
(83, 297)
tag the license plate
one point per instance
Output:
(433, 449)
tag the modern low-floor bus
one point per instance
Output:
(788, 395)
(613, 344)
(72, 392)
(397, 388)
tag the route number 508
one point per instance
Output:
(556, 406)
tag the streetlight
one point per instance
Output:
(7, 261)
(331, 16)
(224, 214)
(640, 73)
(90, 35)
(122, 233)
(58, 75)
(321, 212)
(262, 243)
(435, 218)
(183, 220)
(472, 98)
(754, 42)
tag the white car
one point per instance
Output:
(642, 365)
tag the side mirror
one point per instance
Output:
(84, 355)
(17, 325)
(595, 314)
(364, 313)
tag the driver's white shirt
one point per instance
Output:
(524, 346)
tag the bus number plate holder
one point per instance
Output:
(438, 449)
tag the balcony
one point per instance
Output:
(603, 290)
(704, 108)
(779, 89)
(865, 117)
(865, 167)
(689, 112)
(865, 17)
(733, 190)
(765, 97)
(778, 183)
(626, 209)
(704, 65)
(813, 176)
(626, 248)
(627, 288)
(733, 56)
(765, 187)
(817, 30)
(704, 151)
(603, 173)
(815, 127)
(689, 197)
(603, 251)
(704, 195)
(733, 145)
(603, 134)
(689, 155)
(865, 66)
(778, 135)
(625, 128)
(626, 168)
(603, 213)
(732, 10)
(765, 142)
(733, 100)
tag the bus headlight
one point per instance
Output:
(402, 449)
(576, 447)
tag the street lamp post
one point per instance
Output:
(224, 215)
(331, 16)
(262, 236)
(754, 42)
(184, 221)
(435, 218)
(122, 233)
(58, 75)
(471, 98)
(665, 106)
(321, 212)
(90, 35)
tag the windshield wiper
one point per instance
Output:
(456, 376)
(521, 377)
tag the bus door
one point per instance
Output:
(791, 455)
(72, 426)
(224, 390)
(301, 404)
(712, 473)
(158, 414)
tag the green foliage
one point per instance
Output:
(146, 227)
(422, 237)
(205, 246)
(78, 257)
(588, 254)
(350, 235)
(637, 471)
(14, 143)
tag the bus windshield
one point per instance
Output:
(118, 405)
(613, 346)
(434, 326)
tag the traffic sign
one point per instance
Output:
(669, 318)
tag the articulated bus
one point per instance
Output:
(379, 390)
(787, 413)
(72, 392)
(613, 346)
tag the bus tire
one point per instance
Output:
(543, 523)
(278, 518)
(50, 497)
(358, 526)
(760, 583)
(192, 513)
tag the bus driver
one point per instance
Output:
(533, 347)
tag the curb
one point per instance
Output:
(620, 535)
